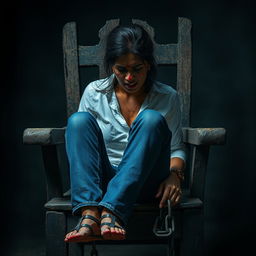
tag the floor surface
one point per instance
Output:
(37, 248)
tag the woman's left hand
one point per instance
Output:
(169, 189)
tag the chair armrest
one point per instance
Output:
(44, 136)
(204, 136)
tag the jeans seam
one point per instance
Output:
(115, 211)
(87, 203)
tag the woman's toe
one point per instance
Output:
(113, 230)
(105, 230)
(70, 234)
(74, 233)
(82, 232)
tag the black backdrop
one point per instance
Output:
(32, 95)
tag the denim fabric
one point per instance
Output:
(145, 163)
(104, 106)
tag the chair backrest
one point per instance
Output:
(76, 56)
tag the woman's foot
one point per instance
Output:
(88, 229)
(110, 227)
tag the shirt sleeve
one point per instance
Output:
(86, 102)
(174, 123)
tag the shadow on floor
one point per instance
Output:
(37, 248)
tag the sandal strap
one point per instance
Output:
(109, 215)
(110, 225)
(113, 221)
(91, 218)
(79, 224)
(87, 226)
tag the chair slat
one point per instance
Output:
(90, 55)
(166, 54)
(184, 68)
(71, 72)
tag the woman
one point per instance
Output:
(124, 144)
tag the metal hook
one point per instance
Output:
(167, 220)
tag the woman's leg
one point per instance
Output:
(88, 161)
(145, 160)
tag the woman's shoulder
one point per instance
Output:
(96, 91)
(163, 88)
(100, 85)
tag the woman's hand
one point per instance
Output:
(169, 189)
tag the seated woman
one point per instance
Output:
(124, 144)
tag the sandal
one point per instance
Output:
(111, 235)
(87, 238)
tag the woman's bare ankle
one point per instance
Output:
(106, 210)
(90, 210)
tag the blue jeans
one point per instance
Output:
(145, 163)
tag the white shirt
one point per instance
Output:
(100, 100)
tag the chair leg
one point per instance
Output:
(192, 241)
(170, 246)
(78, 249)
(176, 247)
(173, 246)
(74, 249)
(55, 233)
(94, 251)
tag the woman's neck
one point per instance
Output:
(126, 95)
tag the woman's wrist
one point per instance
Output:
(179, 173)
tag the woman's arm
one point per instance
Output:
(177, 163)
(170, 188)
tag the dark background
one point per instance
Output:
(224, 94)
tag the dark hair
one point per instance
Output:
(130, 39)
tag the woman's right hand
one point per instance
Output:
(170, 188)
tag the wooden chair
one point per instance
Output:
(187, 238)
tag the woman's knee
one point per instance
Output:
(80, 120)
(151, 118)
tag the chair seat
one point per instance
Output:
(187, 202)
(143, 213)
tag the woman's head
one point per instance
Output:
(126, 41)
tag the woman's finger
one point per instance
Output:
(165, 197)
(173, 191)
(175, 197)
(160, 190)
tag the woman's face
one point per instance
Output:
(131, 73)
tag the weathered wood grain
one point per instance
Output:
(52, 171)
(184, 57)
(191, 205)
(198, 170)
(44, 136)
(204, 136)
(71, 73)
(55, 232)
(164, 53)
(94, 55)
